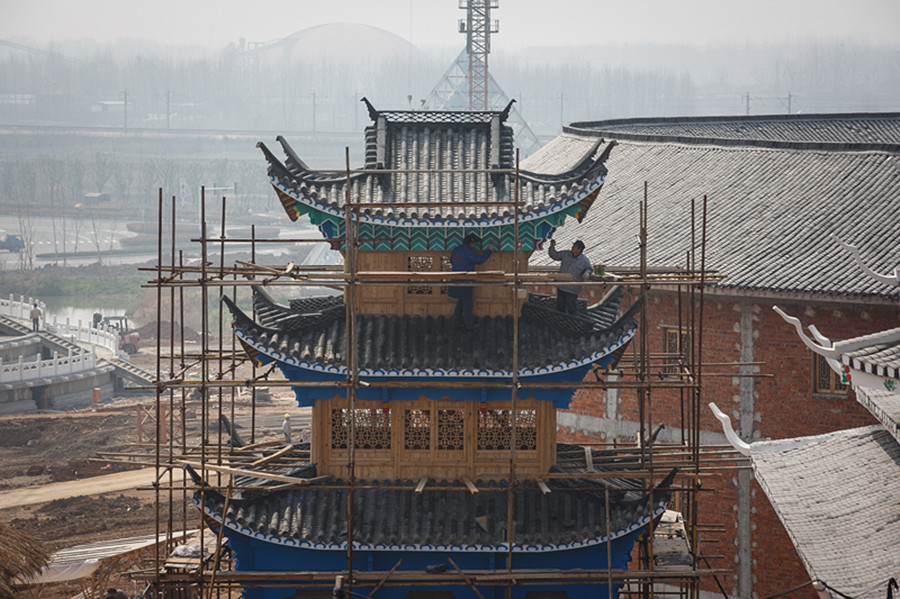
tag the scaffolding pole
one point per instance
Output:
(679, 370)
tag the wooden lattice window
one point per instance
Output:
(675, 343)
(419, 264)
(446, 266)
(450, 430)
(372, 428)
(495, 427)
(825, 380)
(417, 429)
(340, 429)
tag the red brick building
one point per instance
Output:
(777, 188)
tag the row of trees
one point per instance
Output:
(54, 188)
(237, 89)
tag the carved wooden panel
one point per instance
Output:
(372, 428)
(439, 438)
(418, 263)
(450, 430)
(417, 429)
(494, 430)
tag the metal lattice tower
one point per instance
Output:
(468, 85)
(478, 29)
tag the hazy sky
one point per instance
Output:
(214, 23)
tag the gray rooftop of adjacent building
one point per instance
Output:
(836, 495)
(777, 188)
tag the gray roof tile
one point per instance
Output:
(884, 405)
(877, 353)
(444, 514)
(771, 210)
(386, 342)
(872, 129)
(421, 143)
(836, 495)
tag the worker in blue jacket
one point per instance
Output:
(463, 259)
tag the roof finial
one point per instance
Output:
(505, 114)
(826, 351)
(891, 279)
(373, 114)
(739, 444)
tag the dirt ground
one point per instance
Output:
(38, 449)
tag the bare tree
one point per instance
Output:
(74, 183)
(26, 198)
(102, 170)
(123, 180)
(52, 172)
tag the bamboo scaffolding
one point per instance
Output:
(642, 372)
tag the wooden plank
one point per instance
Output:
(256, 446)
(589, 459)
(543, 486)
(269, 458)
(469, 484)
(256, 473)
(422, 482)
(466, 578)
(383, 580)
(442, 276)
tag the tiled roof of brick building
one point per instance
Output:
(877, 130)
(390, 514)
(777, 189)
(836, 495)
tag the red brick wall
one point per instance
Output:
(783, 406)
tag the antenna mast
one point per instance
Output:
(478, 29)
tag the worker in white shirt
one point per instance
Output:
(286, 428)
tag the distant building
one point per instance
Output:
(96, 198)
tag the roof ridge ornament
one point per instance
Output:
(824, 351)
(739, 444)
(504, 114)
(893, 279)
(824, 341)
(373, 113)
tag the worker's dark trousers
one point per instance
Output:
(566, 302)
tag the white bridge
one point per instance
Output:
(102, 336)
(67, 361)
(22, 370)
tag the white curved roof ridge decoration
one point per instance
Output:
(738, 443)
(827, 352)
(893, 279)
(834, 363)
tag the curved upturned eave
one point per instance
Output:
(582, 200)
(339, 371)
(293, 178)
(468, 548)
(242, 323)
